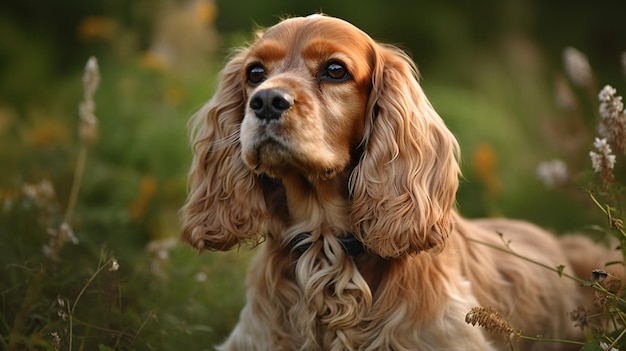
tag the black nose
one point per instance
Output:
(269, 104)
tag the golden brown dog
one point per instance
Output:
(320, 142)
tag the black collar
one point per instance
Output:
(351, 245)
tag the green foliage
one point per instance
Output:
(58, 284)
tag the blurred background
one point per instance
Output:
(502, 74)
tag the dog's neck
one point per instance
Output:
(321, 209)
(319, 206)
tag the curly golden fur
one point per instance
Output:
(316, 128)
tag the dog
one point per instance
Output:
(320, 146)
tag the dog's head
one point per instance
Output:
(318, 97)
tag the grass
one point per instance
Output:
(71, 208)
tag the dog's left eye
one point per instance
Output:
(335, 71)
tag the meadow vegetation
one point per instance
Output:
(94, 154)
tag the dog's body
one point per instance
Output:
(415, 303)
(320, 142)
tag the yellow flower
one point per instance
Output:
(206, 11)
(154, 60)
(147, 188)
(97, 27)
(48, 132)
(485, 162)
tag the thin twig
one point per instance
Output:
(78, 176)
(557, 270)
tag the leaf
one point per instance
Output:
(102, 347)
(592, 346)
(559, 270)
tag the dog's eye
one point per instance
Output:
(256, 74)
(335, 71)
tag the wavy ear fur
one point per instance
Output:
(225, 204)
(404, 186)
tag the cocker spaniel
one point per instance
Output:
(320, 144)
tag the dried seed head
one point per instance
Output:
(581, 317)
(492, 321)
(88, 128)
(91, 78)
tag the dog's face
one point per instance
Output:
(307, 83)
(336, 116)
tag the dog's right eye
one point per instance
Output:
(256, 74)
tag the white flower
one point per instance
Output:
(56, 340)
(612, 125)
(577, 67)
(552, 173)
(603, 159)
(602, 146)
(114, 265)
(201, 277)
(605, 346)
(610, 105)
(606, 93)
(68, 233)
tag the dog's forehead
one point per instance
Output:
(314, 26)
(311, 37)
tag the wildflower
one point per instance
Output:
(161, 250)
(162, 247)
(201, 277)
(114, 265)
(577, 67)
(156, 59)
(97, 28)
(60, 301)
(58, 238)
(612, 124)
(147, 189)
(42, 192)
(88, 129)
(491, 320)
(206, 11)
(66, 233)
(48, 132)
(56, 340)
(62, 314)
(552, 173)
(485, 163)
(603, 161)
(605, 346)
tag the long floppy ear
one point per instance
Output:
(225, 204)
(404, 185)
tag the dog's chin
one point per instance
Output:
(272, 158)
(267, 157)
